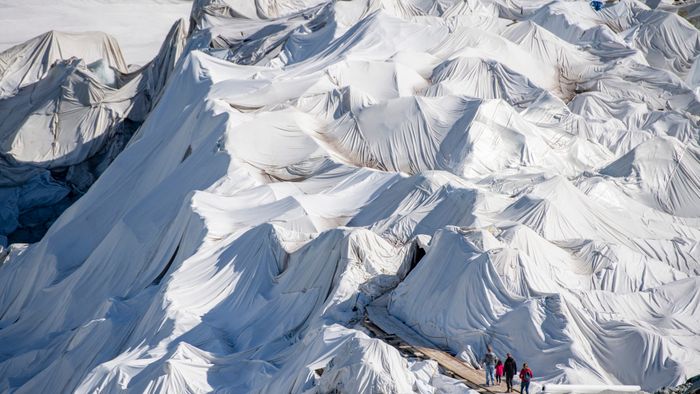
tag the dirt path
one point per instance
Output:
(397, 334)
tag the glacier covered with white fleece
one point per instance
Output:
(297, 158)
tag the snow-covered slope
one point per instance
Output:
(138, 25)
(521, 174)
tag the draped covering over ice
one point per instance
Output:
(63, 120)
(520, 174)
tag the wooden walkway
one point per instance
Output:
(396, 333)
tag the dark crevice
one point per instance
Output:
(165, 270)
(187, 154)
(420, 253)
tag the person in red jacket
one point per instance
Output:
(525, 377)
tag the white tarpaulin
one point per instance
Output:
(520, 174)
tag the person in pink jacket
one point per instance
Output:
(499, 371)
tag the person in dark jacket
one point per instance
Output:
(525, 377)
(509, 370)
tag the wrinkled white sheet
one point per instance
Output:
(295, 160)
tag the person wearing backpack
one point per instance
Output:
(510, 368)
(489, 362)
(525, 377)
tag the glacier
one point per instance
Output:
(521, 174)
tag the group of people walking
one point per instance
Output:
(495, 369)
